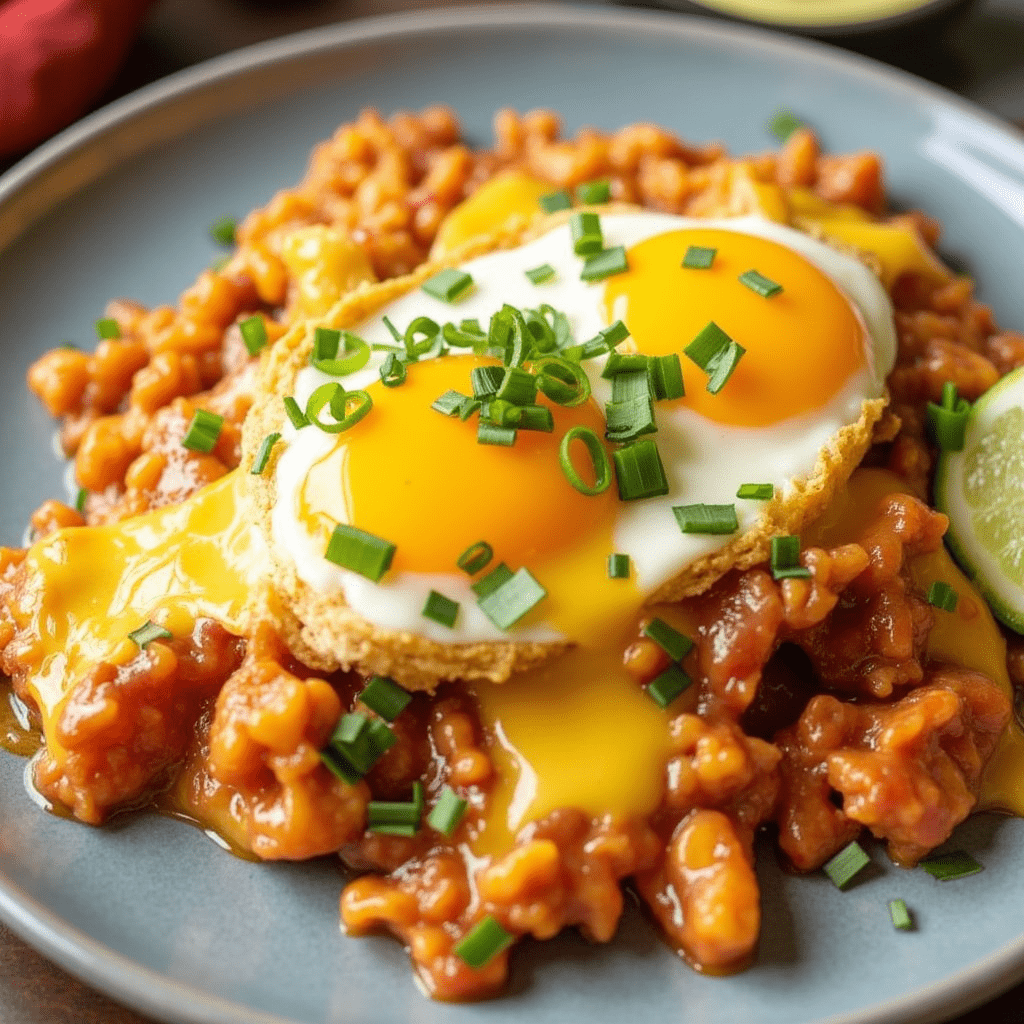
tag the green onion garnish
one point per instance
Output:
(254, 334)
(449, 403)
(948, 867)
(333, 395)
(663, 689)
(223, 231)
(763, 286)
(536, 417)
(441, 609)
(586, 233)
(593, 193)
(356, 745)
(900, 915)
(263, 455)
(486, 380)
(564, 382)
(203, 431)
(393, 331)
(489, 433)
(605, 264)
(699, 257)
(518, 386)
(392, 371)
(598, 459)
(468, 334)
(340, 766)
(147, 633)
(447, 812)
(716, 354)
(511, 600)
(422, 337)
(80, 500)
(947, 422)
(618, 567)
(555, 201)
(468, 407)
(667, 376)
(386, 697)
(701, 518)
(389, 817)
(630, 413)
(846, 864)
(756, 492)
(295, 414)
(723, 367)
(639, 471)
(362, 552)
(475, 558)
(483, 943)
(498, 576)
(785, 560)
(448, 285)
(108, 328)
(943, 596)
(542, 274)
(623, 362)
(675, 644)
(326, 344)
(783, 124)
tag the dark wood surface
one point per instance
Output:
(982, 58)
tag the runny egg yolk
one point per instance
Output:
(802, 344)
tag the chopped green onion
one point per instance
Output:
(701, 518)
(223, 231)
(263, 455)
(536, 417)
(846, 864)
(667, 376)
(723, 366)
(147, 633)
(332, 394)
(675, 644)
(604, 264)
(468, 334)
(449, 284)
(618, 567)
(203, 431)
(598, 459)
(699, 257)
(356, 745)
(943, 596)
(447, 812)
(486, 380)
(542, 274)
(295, 414)
(440, 609)
(630, 413)
(756, 492)
(763, 286)
(392, 371)
(449, 403)
(80, 500)
(483, 943)
(518, 386)
(783, 124)
(901, 919)
(555, 201)
(386, 697)
(623, 362)
(421, 338)
(476, 557)
(785, 560)
(564, 382)
(947, 422)
(339, 766)
(948, 867)
(254, 334)
(393, 331)
(585, 227)
(639, 471)
(716, 354)
(664, 688)
(511, 600)
(362, 552)
(389, 817)
(593, 193)
(326, 343)
(488, 433)
(497, 577)
(468, 407)
(108, 328)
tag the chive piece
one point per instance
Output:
(618, 567)
(392, 371)
(393, 818)
(593, 193)
(542, 274)
(901, 919)
(518, 386)
(783, 124)
(468, 407)
(359, 551)
(394, 332)
(604, 264)
(586, 233)
(223, 231)
(497, 577)
(449, 403)
(723, 366)
(338, 766)
(254, 334)
(639, 471)
(947, 423)
(380, 738)
(622, 362)
(948, 867)
(263, 455)
(80, 500)
(511, 600)
(147, 633)
(943, 596)
(449, 284)
(598, 459)
(328, 342)
(356, 745)
(108, 328)
(440, 609)
(422, 338)
(486, 380)
(663, 689)
(447, 812)
(710, 341)
(763, 286)
(630, 413)
(846, 864)
(337, 399)
(701, 518)
(386, 697)
(756, 492)
(203, 431)
(295, 414)
(564, 382)
(488, 433)
(785, 560)
(476, 557)
(667, 375)
(536, 417)
(555, 201)
(699, 257)
(675, 644)
(483, 943)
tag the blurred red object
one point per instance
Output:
(57, 56)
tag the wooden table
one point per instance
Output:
(982, 59)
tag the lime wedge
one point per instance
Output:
(981, 489)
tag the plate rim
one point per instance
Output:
(23, 198)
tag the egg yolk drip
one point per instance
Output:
(802, 344)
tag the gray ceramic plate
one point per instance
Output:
(151, 910)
